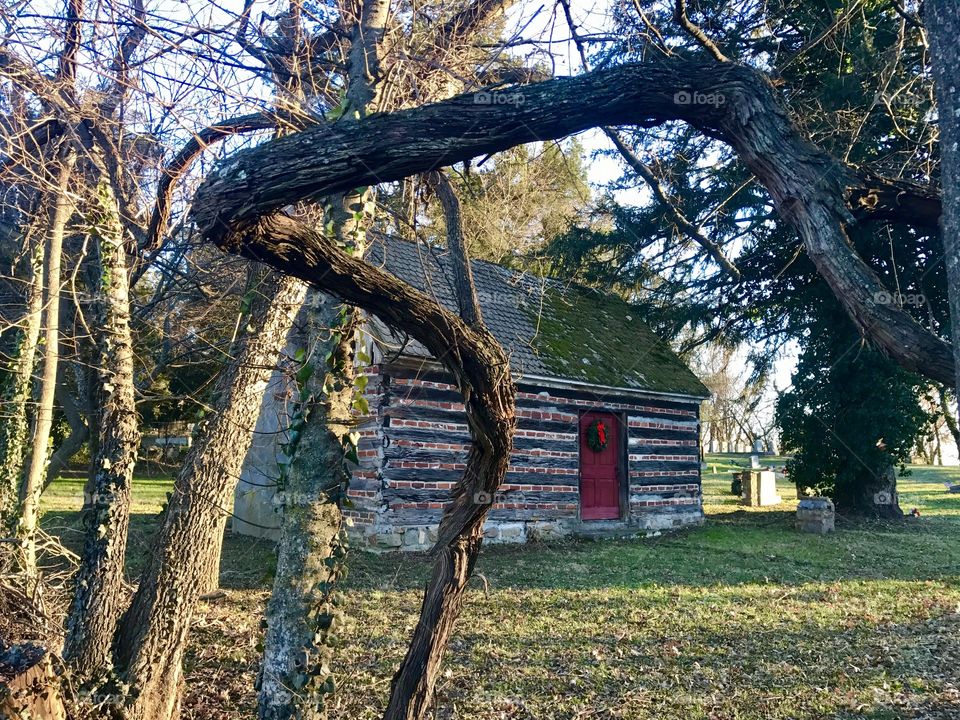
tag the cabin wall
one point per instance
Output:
(365, 491)
(256, 509)
(416, 451)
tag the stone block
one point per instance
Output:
(414, 537)
(388, 540)
(816, 515)
(544, 531)
(759, 488)
(512, 531)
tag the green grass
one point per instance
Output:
(744, 618)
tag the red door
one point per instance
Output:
(600, 471)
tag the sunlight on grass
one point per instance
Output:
(744, 618)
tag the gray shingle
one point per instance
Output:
(549, 329)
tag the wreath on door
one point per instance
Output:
(597, 435)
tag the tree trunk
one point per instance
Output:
(31, 687)
(948, 417)
(74, 442)
(33, 481)
(100, 597)
(942, 21)
(15, 429)
(480, 369)
(302, 616)
(152, 634)
(809, 188)
(876, 496)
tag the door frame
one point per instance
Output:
(623, 481)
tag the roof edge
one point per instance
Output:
(419, 361)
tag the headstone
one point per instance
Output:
(755, 462)
(815, 515)
(759, 446)
(759, 488)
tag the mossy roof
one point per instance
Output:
(550, 329)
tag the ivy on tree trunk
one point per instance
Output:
(100, 596)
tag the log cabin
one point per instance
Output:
(607, 439)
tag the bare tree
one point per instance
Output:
(36, 472)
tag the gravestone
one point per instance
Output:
(759, 488)
(816, 515)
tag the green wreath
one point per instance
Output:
(597, 436)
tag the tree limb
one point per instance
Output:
(688, 228)
(732, 103)
(695, 31)
(180, 162)
(463, 275)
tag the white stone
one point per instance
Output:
(759, 488)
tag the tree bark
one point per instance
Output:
(733, 103)
(302, 617)
(942, 21)
(481, 371)
(100, 597)
(948, 417)
(15, 428)
(152, 635)
(33, 481)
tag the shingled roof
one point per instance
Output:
(550, 329)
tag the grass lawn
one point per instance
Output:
(743, 618)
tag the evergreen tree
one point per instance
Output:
(849, 418)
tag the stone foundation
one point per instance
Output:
(422, 537)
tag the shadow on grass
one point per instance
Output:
(732, 549)
(247, 562)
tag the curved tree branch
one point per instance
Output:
(481, 371)
(733, 103)
(179, 164)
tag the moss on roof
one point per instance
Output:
(548, 329)
(600, 339)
